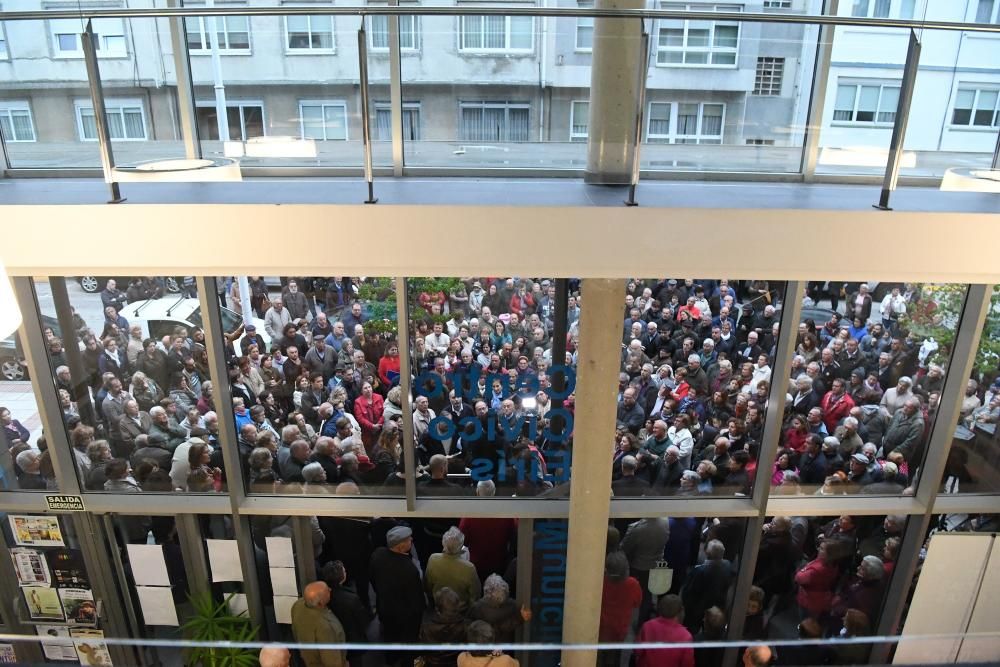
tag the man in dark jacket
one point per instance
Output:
(812, 467)
(345, 604)
(399, 593)
(707, 585)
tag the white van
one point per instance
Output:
(159, 317)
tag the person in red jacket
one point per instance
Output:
(816, 581)
(622, 596)
(388, 366)
(667, 628)
(368, 409)
(836, 404)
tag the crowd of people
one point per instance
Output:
(861, 394)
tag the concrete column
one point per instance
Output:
(590, 495)
(614, 82)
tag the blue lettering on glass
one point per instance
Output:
(461, 380)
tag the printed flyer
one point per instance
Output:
(56, 650)
(78, 603)
(30, 566)
(90, 650)
(36, 531)
(43, 603)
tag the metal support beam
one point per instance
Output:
(47, 398)
(185, 85)
(64, 314)
(590, 495)
(4, 158)
(366, 130)
(396, 94)
(406, 382)
(902, 119)
(791, 310)
(305, 562)
(970, 328)
(235, 478)
(639, 107)
(525, 562)
(820, 82)
(110, 542)
(996, 154)
(100, 117)
(192, 544)
(560, 329)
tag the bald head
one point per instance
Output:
(317, 594)
(275, 656)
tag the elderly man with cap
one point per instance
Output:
(894, 397)
(251, 337)
(313, 623)
(452, 569)
(859, 474)
(399, 592)
(905, 431)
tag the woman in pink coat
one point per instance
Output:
(816, 581)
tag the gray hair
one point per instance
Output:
(486, 488)
(453, 541)
(156, 411)
(289, 432)
(495, 589)
(629, 463)
(312, 472)
(850, 422)
(871, 568)
(693, 358)
(259, 456)
(691, 476)
(27, 458)
(714, 550)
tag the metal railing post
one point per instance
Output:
(100, 119)
(902, 118)
(821, 80)
(641, 102)
(396, 93)
(996, 154)
(366, 130)
(185, 86)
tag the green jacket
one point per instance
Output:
(454, 572)
(318, 626)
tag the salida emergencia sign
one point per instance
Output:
(65, 503)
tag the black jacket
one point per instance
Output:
(398, 590)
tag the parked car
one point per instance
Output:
(11, 353)
(94, 284)
(159, 317)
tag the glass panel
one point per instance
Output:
(695, 373)
(491, 110)
(823, 576)
(887, 104)
(316, 383)
(138, 394)
(703, 555)
(312, 121)
(486, 409)
(24, 459)
(974, 460)
(871, 360)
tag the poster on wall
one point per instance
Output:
(78, 603)
(43, 603)
(30, 567)
(56, 650)
(7, 655)
(36, 531)
(68, 570)
(90, 650)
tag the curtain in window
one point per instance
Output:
(494, 32)
(984, 11)
(844, 107)
(116, 127)
(89, 124)
(411, 124)
(887, 105)
(383, 124)
(518, 130)
(984, 108)
(687, 119)
(380, 31)
(471, 128)
(882, 9)
(711, 120)
(581, 113)
(23, 130)
(659, 119)
(134, 127)
(237, 29)
(5, 128)
(867, 103)
(472, 32)
(860, 8)
(407, 32)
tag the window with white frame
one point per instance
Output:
(685, 122)
(494, 121)
(323, 120)
(378, 33)
(988, 11)
(487, 34)
(126, 120)
(866, 103)
(767, 80)
(698, 43)
(309, 34)
(579, 119)
(878, 9)
(760, 142)
(232, 33)
(244, 120)
(976, 107)
(585, 29)
(16, 123)
(411, 121)
(777, 4)
(109, 37)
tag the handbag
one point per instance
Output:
(661, 577)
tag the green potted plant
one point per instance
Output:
(214, 622)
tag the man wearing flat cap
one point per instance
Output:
(399, 591)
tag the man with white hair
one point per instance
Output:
(629, 484)
(895, 397)
(451, 569)
(669, 476)
(29, 464)
(696, 376)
